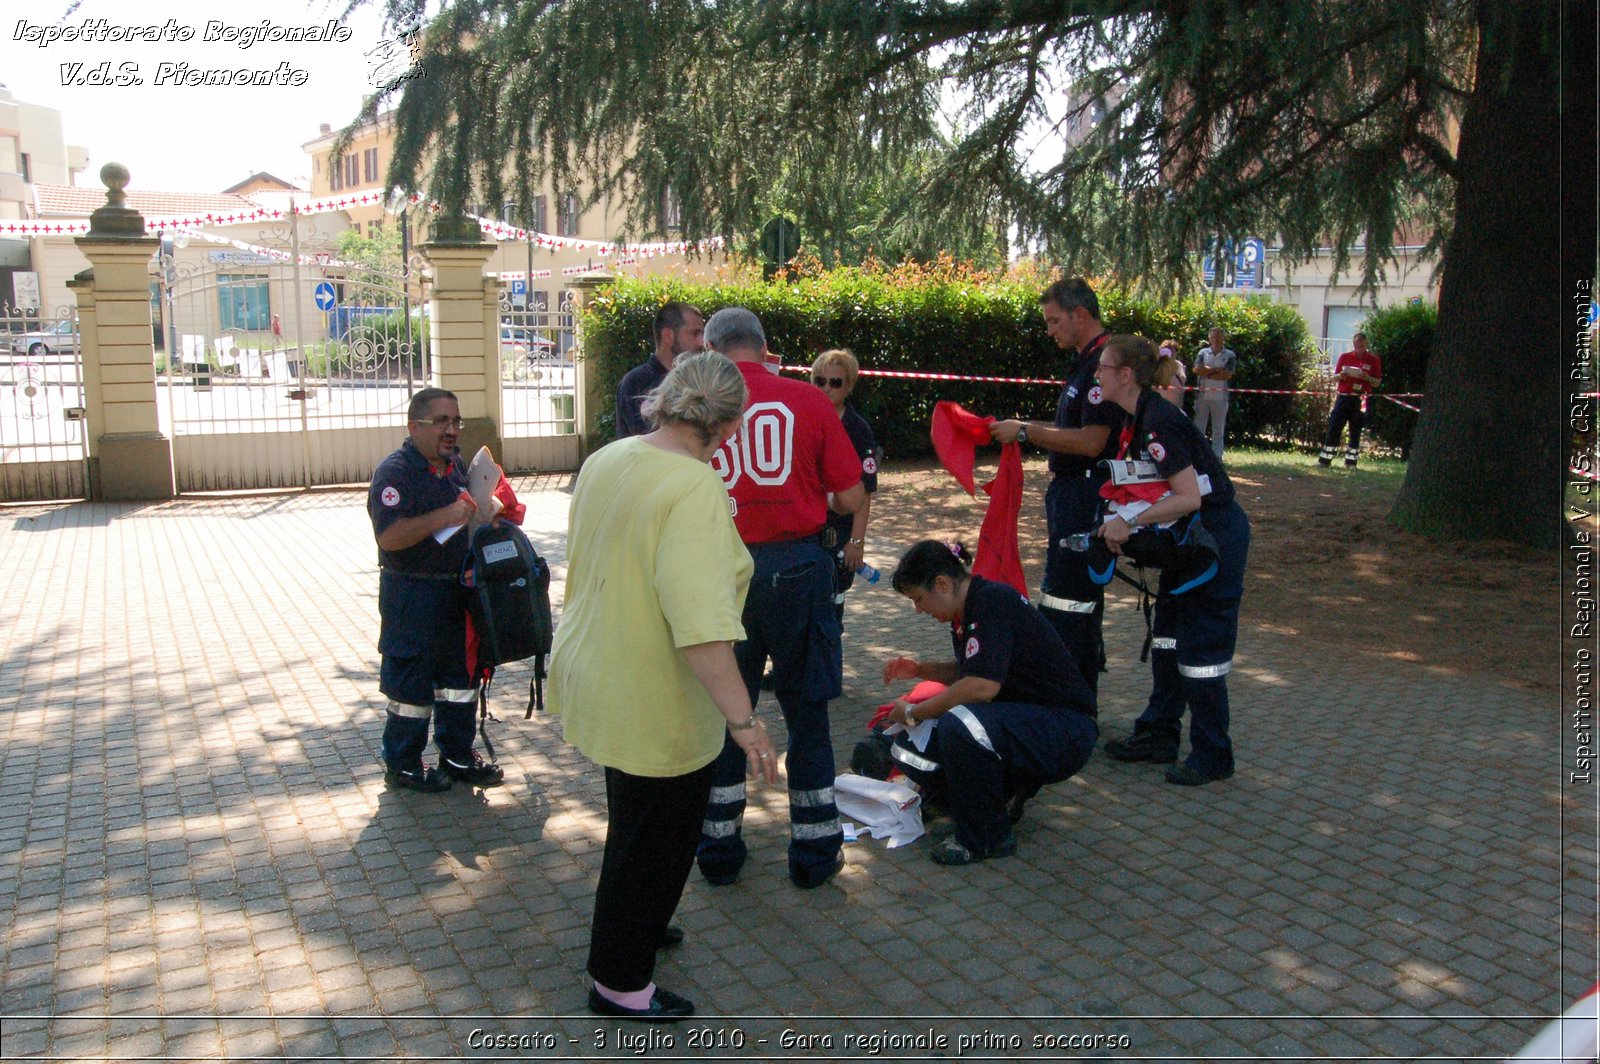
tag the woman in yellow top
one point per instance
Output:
(642, 671)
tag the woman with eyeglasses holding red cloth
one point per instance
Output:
(835, 372)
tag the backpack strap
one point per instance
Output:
(536, 687)
(484, 716)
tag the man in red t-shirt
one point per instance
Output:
(1358, 373)
(790, 456)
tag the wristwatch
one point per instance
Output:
(1022, 434)
(744, 725)
(911, 718)
(858, 542)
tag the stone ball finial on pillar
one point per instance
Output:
(116, 220)
(115, 177)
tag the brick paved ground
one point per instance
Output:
(199, 859)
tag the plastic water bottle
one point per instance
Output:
(867, 573)
(1079, 541)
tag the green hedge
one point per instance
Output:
(943, 321)
(1402, 335)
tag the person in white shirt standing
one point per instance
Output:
(1213, 368)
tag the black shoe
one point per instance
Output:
(951, 852)
(1144, 746)
(1014, 810)
(672, 936)
(1324, 462)
(476, 773)
(1184, 776)
(418, 777)
(721, 878)
(665, 1007)
(1349, 464)
(811, 880)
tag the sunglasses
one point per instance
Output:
(828, 382)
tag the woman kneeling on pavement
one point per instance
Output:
(1194, 631)
(642, 671)
(1016, 714)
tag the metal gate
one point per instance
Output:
(538, 382)
(280, 365)
(42, 452)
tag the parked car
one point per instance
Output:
(525, 343)
(61, 338)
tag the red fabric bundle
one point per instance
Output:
(956, 434)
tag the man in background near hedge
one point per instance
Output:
(678, 327)
(1358, 372)
(1084, 432)
(1213, 365)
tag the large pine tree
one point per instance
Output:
(1119, 135)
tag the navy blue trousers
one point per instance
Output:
(1191, 651)
(424, 669)
(1072, 603)
(983, 754)
(790, 618)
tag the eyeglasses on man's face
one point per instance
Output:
(444, 421)
(827, 382)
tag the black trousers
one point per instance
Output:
(653, 827)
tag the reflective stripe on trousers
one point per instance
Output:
(724, 811)
(1205, 672)
(973, 726)
(404, 709)
(907, 756)
(1065, 605)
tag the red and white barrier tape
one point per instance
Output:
(909, 375)
(1396, 402)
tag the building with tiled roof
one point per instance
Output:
(67, 201)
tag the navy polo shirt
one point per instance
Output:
(1082, 406)
(637, 383)
(1003, 638)
(406, 485)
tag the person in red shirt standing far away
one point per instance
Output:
(1359, 372)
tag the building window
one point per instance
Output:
(352, 170)
(369, 165)
(27, 169)
(242, 303)
(335, 174)
(541, 214)
(567, 216)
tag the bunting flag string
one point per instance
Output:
(244, 216)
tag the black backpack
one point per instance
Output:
(508, 594)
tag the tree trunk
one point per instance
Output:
(1491, 448)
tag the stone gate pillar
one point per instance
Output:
(466, 335)
(129, 456)
(592, 400)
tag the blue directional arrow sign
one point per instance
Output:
(323, 294)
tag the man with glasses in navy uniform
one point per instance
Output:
(419, 507)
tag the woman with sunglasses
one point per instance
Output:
(1194, 632)
(835, 372)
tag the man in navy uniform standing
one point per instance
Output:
(678, 327)
(418, 495)
(1080, 437)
